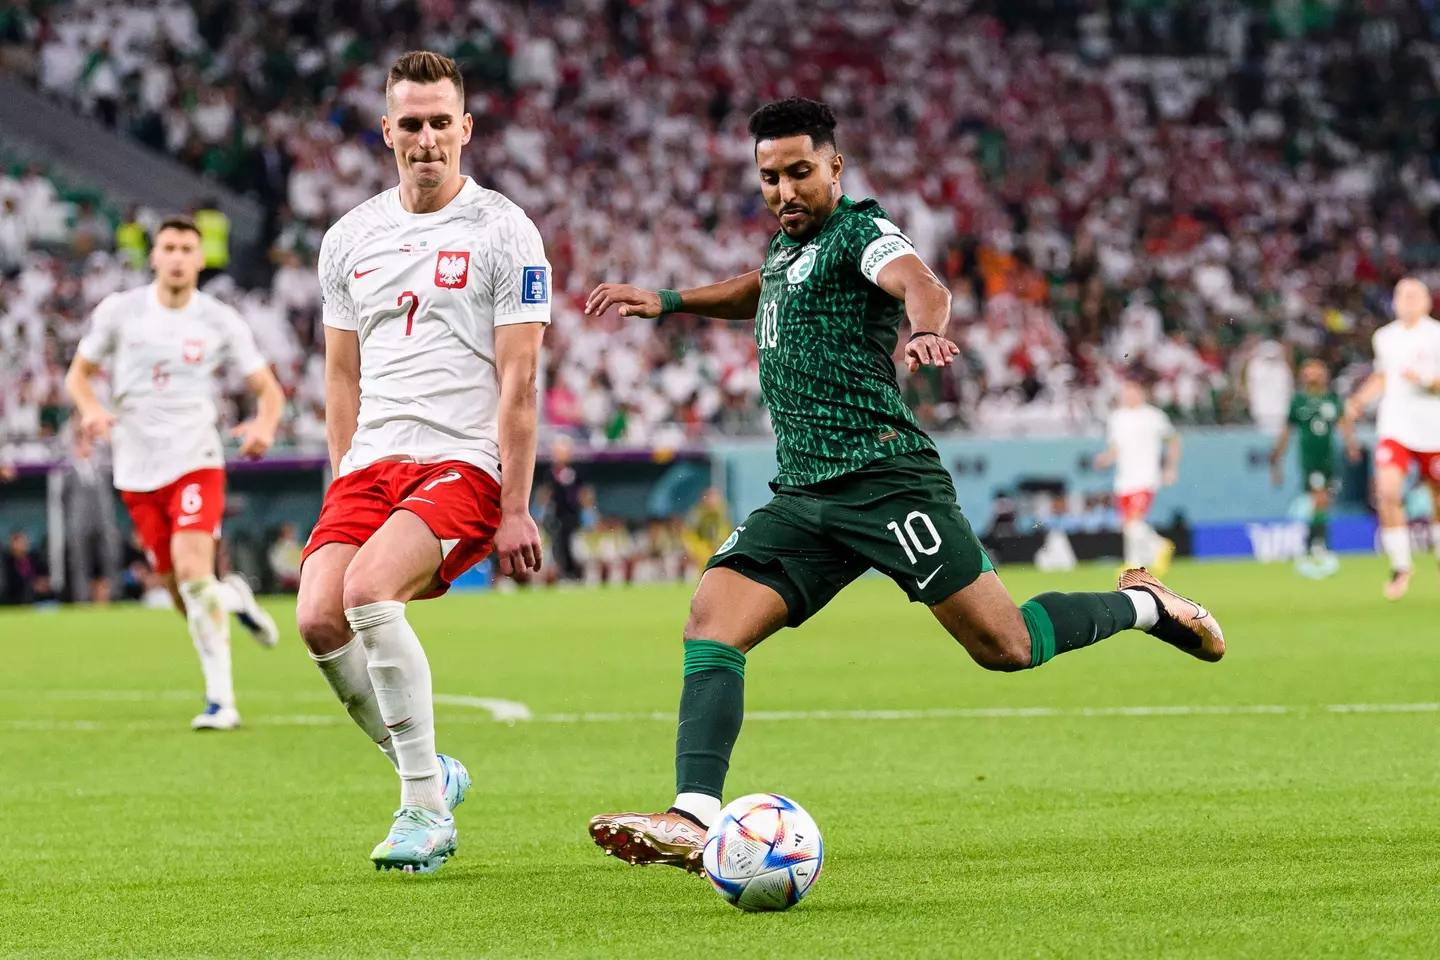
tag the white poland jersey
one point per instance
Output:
(1408, 414)
(162, 376)
(425, 292)
(1138, 435)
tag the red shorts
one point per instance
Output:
(195, 502)
(458, 501)
(1134, 506)
(1391, 453)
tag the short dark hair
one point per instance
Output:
(794, 117)
(177, 222)
(425, 66)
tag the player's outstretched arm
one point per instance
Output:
(95, 420)
(735, 299)
(517, 356)
(927, 306)
(1347, 434)
(257, 434)
(1277, 456)
(1370, 391)
(1170, 475)
(342, 391)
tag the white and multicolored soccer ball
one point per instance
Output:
(763, 853)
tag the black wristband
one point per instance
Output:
(922, 333)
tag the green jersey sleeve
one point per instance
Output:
(872, 241)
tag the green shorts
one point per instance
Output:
(897, 515)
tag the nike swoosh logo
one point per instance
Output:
(362, 273)
(186, 521)
(926, 582)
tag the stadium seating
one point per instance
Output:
(1168, 187)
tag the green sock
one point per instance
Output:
(1061, 622)
(1319, 531)
(712, 706)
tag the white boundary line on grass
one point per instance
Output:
(512, 712)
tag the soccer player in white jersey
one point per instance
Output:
(436, 293)
(1406, 381)
(164, 343)
(1145, 451)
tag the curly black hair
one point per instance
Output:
(794, 117)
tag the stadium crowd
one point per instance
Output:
(1193, 191)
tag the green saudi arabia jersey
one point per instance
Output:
(826, 334)
(1316, 417)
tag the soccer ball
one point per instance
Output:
(763, 853)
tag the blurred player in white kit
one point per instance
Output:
(1144, 449)
(1406, 381)
(164, 343)
(436, 295)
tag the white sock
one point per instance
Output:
(1395, 541)
(701, 806)
(1151, 550)
(209, 624)
(1141, 543)
(401, 677)
(1132, 537)
(347, 670)
(1435, 539)
(1147, 611)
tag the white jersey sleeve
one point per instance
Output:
(1163, 424)
(98, 344)
(519, 272)
(337, 307)
(240, 349)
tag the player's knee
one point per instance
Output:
(321, 626)
(361, 589)
(1004, 651)
(706, 622)
(701, 623)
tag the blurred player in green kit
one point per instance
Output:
(1315, 412)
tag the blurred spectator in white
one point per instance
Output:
(1269, 386)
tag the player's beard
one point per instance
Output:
(801, 228)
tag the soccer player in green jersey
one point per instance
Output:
(860, 485)
(1316, 411)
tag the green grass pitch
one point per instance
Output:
(1286, 807)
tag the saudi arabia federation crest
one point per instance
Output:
(730, 541)
(801, 268)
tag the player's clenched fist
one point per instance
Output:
(517, 544)
(632, 301)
